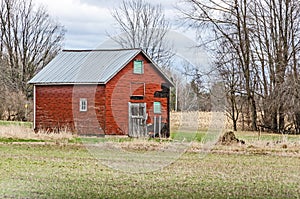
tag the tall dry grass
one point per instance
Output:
(192, 120)
(196, 120)
(22, 132)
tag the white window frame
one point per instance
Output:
(155, 111)
(135, 70)
(83, 105)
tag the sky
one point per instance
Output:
(88, 23)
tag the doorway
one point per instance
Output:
(137, 120)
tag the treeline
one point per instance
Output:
(256, 46)
(29, 39)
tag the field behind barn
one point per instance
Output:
(62, 166)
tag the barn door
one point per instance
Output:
(137, 119)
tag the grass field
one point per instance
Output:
(52, 171)
(63, 166)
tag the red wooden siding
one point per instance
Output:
(57, 106)
(93, 120)
(54, 107)
(118, 96)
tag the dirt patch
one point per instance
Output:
(229, 138)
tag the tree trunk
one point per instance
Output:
(274, 123)
(234, 125)
(281, 119)
(253, 115)
(297, 122)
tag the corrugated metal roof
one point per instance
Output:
(84, 66)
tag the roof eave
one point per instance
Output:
(123, 66)
(64, 83)
(169, 81)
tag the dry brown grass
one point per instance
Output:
(198, 120)
(23, 132)
(265, 143)
(289, 149)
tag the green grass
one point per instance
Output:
(248, 136)
(20, 140)
(64, 168)
(188, 136)
(272, 137)
(69, 171)
(94, 140)
(17, 123)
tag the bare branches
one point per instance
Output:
(143, 26)
(29, 39)
(257, 43)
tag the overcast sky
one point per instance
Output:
(88, 21)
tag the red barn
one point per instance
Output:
(102, 92)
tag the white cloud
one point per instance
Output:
(86, 24)
(88, 21)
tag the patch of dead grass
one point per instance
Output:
(22, 132)
(274, 146)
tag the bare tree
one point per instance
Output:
(276, 46)
(198, 95)
(229, 20)
(261, 48)
(230, 72)
(143, 25)
(289, 97)
(183, 96)
(29, 39)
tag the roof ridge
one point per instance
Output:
(96, 50)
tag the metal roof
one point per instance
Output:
(84, 66)
(88, 66)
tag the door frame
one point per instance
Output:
(140, 120)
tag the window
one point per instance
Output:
(138, 67)
(157, 107)
(83, 104)
(138, 109)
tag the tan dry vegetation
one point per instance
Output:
(141, 145)
(196, 120)
(278, 147)
(258, 147)
(263, 144)
(23, 132)
(255, 143)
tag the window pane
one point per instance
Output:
(138, 67)
(83, 105)
(157, 107)
(138, 109)
(141, 110)
(134, 110)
